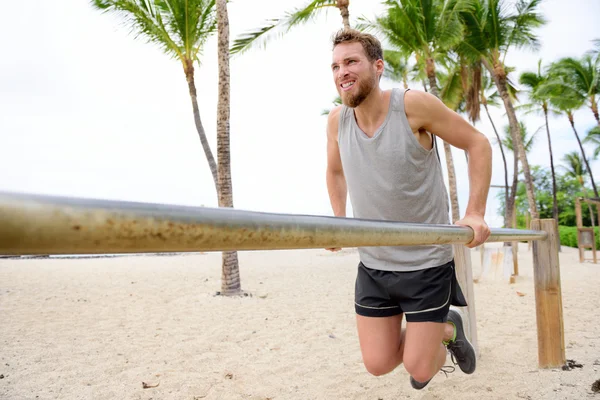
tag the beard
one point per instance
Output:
(365, 87)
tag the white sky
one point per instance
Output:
(87, 110)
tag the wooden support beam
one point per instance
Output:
(548, 296)
(464, 275)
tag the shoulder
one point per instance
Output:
(421, 107)
(333, 121)
(417, 100)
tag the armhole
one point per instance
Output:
(434, 146)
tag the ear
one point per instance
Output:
(379, 66)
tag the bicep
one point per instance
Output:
(447, 124)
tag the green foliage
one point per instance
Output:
(179, 28)
(593, 137)
(426, 28)
(396, 66)
(526, 138)
(567, 187)
(278, 26)
(494, 26)
(568, 236)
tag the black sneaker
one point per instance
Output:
(420, 385)
(461, 351)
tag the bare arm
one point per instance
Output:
(336, 182)
(428, 112)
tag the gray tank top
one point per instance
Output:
(391, 176)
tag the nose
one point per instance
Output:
(342, 72)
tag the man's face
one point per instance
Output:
(354, 75)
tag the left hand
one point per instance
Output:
(480, 229)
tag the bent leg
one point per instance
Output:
(381, 342)
(424, 354)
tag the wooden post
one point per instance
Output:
(579, 220)
(578, 214)
(464, 275)
(548, 296)
(515, 245)
(528, 226)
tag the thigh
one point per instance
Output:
(422, 342)
(379, 337)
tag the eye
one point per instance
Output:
(351, 62)
(335, 68)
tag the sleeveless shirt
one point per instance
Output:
(391, 176)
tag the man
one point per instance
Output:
(379, 149)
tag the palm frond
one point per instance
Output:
(574, 165)
(593, 137)
(527, 139)
(451, 88)
(277, 27)
(179, 29)
(336, 102)
(396, 67)
(523, 24)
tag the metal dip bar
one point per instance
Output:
(38, 224)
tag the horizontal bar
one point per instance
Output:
(39, 224)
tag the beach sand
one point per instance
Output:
(97, 328)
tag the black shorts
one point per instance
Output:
(423, 296)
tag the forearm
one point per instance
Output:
(480, 175)
(338, 190)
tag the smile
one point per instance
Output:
(347, 85)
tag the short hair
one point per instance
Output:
(370, 43)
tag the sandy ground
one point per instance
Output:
(98, 328)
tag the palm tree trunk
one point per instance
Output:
(499, 75)
(512, 199)
(570, 115)
(230, 275)
(595, 110)
(447, 148)
(554, 201)
(189, 76)
(343, 6)
(506, 191)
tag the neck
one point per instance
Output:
(372, 108)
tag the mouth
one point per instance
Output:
(345, 86)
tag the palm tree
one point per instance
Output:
(452, 90)
(593, 137)
(533, 81)
(583, 75)
(278, 26)
(527, 139)
(180, 29)
(566, 99)
(492, 99)
(509, 144)
(428, 30)
(230, 271)
(396, 67)
(574, 167)
(492, 28)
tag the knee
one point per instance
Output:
(378, 366)
(420, 370)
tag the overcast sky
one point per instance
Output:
(88, 110)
